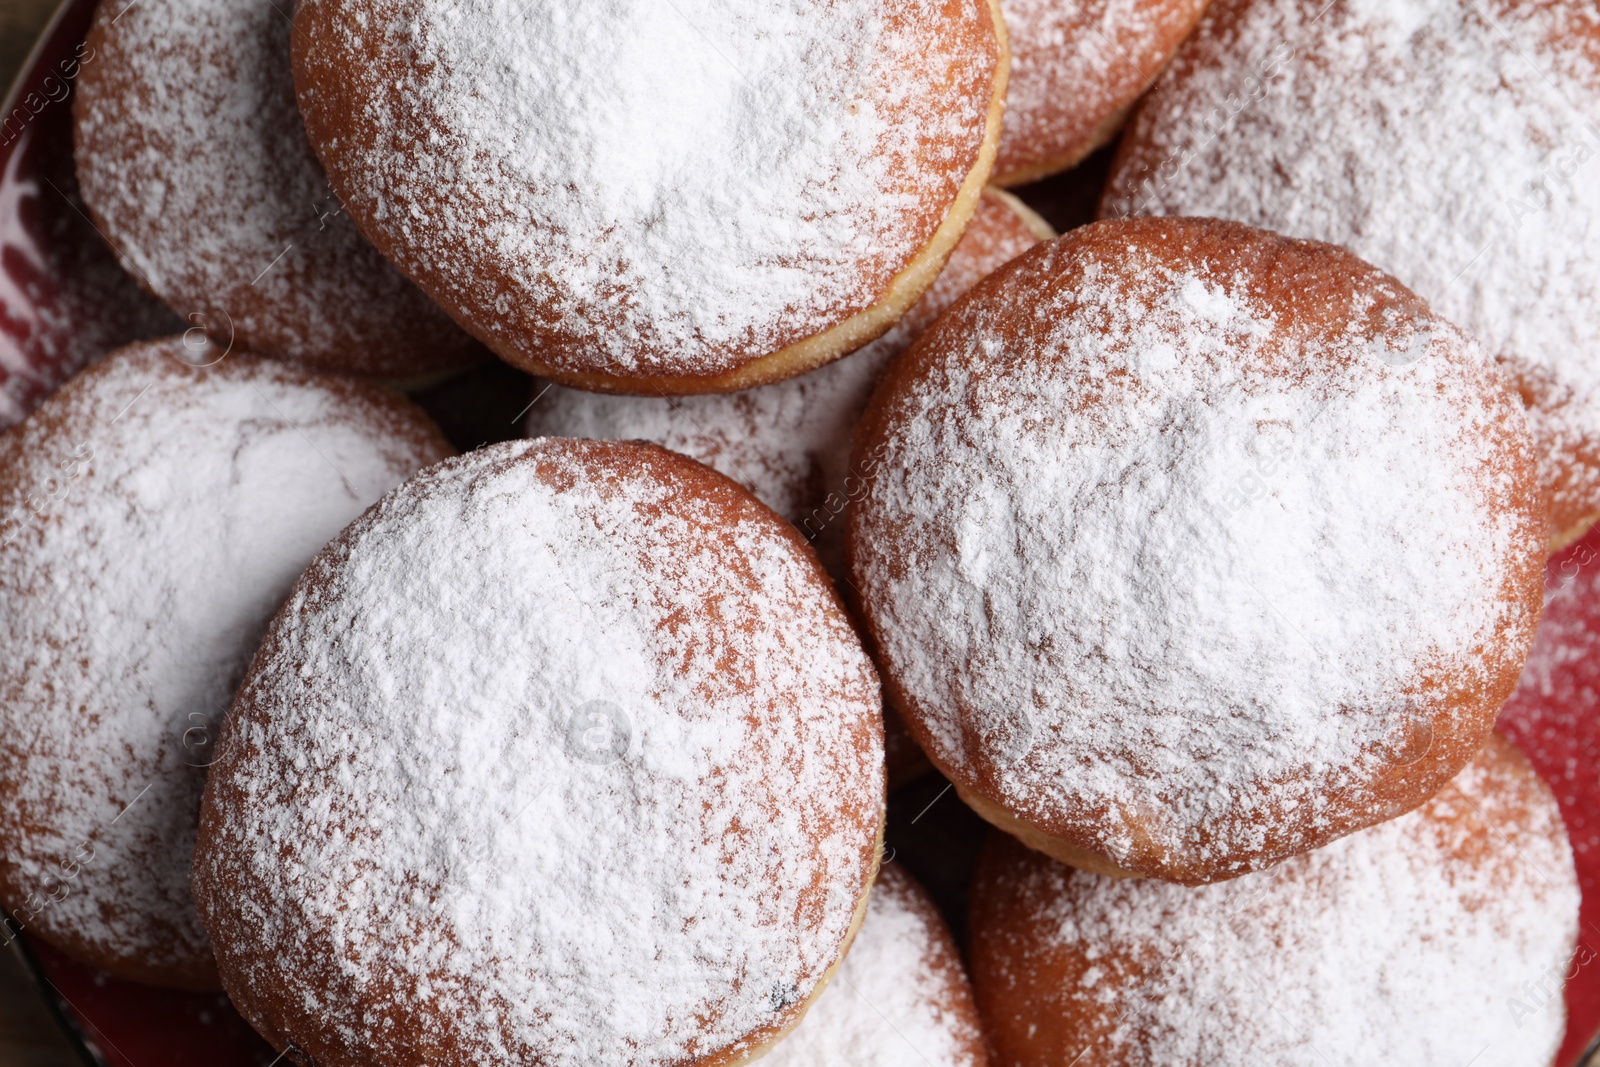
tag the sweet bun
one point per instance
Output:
(789, 442)
(718, 195)
(155, 515)
(565, 752)
(1448, 143)
(900, 999)
(1190, 547)
(1439, 939)
(1077, 67)
(195, 166)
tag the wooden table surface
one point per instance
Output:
(28, 1033)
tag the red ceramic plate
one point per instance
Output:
(1554, 717)
(64, 301)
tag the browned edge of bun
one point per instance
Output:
(807, 354)
(271, 1012)
(1304, 279)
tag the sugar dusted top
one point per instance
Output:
(194, 162)
(639, 187)
(564, 753)
(1076, 66)
(1454, 144)
(900, 999)
(1185, 536)
(153, 515)
(1441, 937)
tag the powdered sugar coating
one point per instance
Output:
(709, 182)
(1440, 938)
(1452, 144)
(1076, 65)
(194, 161)
(1180, 529)
(564, 753)
(155, 516)
(900, 999)
(789, 443)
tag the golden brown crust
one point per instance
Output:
(943, 958)
(1314, 289)
(711, 507)
(901, 755)
(120, 866)
(1057, 849)
(765, 1044)
(1073, 85)
(232, 226)
(1172, 158)
(1102, 135)
(1052, 997)
(533, 339)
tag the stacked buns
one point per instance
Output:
(161, 510)
(1446, 143)
(1298, 964)
(1198, 552)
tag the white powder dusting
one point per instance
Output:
(789, 443)
(900, 999)
(1453, 144)
(1074, 65)
(193, 157)
(639, 186)
(558, 756)
(154, 517)
(1439, 939)
(1156, 560)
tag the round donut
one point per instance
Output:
(195, 166)
(900, 999)
(155, 514)
(1190, 547)
(718, 195)
(1440, 938)
(789, 442)
(1451, 144)
(1077, 67)
(565, 752)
